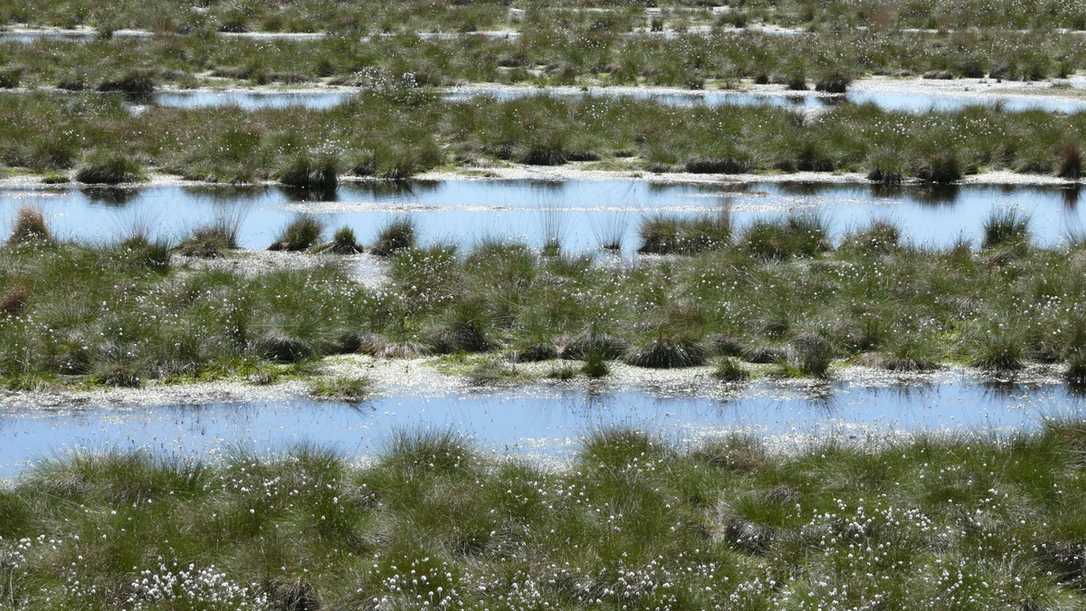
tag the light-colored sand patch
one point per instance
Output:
(366, 269)
(983, 89)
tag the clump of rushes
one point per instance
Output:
(294, 596)
(352, 389)
(109, 169)
(210, 241)
(834, 82)
(670, 235)
(396, 235)
(137, 83)
(30, 229)
(764, 354)
(595, 365)
(909, 355)
(594, 342)
(886, 167)
(343, 242)
(151, 253)
(300, 234)
(491, 372)
(464, 331)
(306, 172)
(999, 352)
(666, 353)
(721, 344)
(551, 248)
(1070, 162)
(941, 168)
(1006, 226)
(813, 355)
(880, 237)
(718, 165)
(548, 149)
(280, 347)
(800, 235)
(535, 353)
(728, 370)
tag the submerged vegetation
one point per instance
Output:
(432, 523)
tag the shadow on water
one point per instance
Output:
(111, 196)
(226, 193)
(938, 195)
(1071, 196)
(310, 194)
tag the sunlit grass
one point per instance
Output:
(633, 521)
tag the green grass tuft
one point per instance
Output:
(397, 235)
(340, 388)
(109, 169)
(300, 234)
(728, 370)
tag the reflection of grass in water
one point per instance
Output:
(692, 527)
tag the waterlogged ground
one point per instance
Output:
(546, 424)
(583, 213)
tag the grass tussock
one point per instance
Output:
(880, 237)
(1006, 227)
(211, 241)
(136, 83)
(341, 388)
(666, 353)
(728, 370)
(30, 229)
(110, 169)
(306, 172)
(302, 233)
(799, 235)
(999, 351)
(813, 355)
(397, 235)
(670, 235)
(343, 242)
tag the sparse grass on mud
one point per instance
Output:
(932, 523)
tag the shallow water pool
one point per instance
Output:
(885, 98)
(583, 213)
(545, 423)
